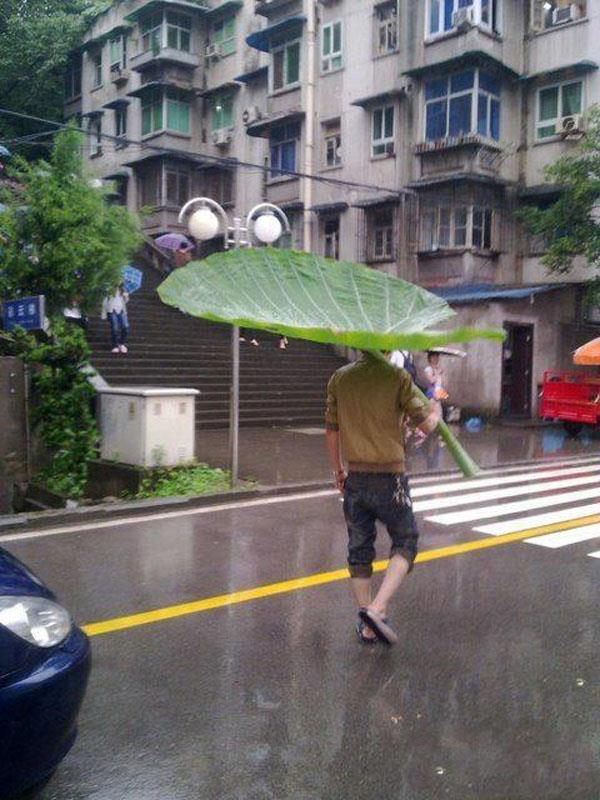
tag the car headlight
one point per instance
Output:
(39, 621)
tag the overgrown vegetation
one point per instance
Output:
(184, 481)
(571, 225)
(60, 236)
(61, 239)
(61, 410)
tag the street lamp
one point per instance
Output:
(265, 223)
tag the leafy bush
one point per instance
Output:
(61, 403)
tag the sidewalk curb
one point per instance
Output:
(38, 520)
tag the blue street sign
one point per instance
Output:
(132, 278)
(28, 312)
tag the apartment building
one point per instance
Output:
(427, 123)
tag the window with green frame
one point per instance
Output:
(223, 35)
(222, 112)
(179, 31)
(178, 111)
(118, 50)
(152, 112)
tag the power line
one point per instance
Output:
(218, 160)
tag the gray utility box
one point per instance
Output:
(147, 427)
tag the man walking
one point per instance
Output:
(367, 404)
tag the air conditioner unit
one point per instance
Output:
(564, 14)
(222, 137)
(213, 51)
(463, 17)
(573, 125)
(251, 114)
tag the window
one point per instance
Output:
(223, 36)
(152, 112)
(332, 237)
(440, 16)
(386, 29)
(97, 69)
(179, 31)
(222, 114)
(117, 49)
(219, 184)
(382, 239)
(331, 47)
(482, 228)
(178, 111)
(382, 132)
(556, 102)
(283, 148)
(466, 102)
(177, 183)
(150, 190)
(151, 28)
(553, 13)
(121, 122)
(333, 144)
(285, 65)
(73, 80)
(448, 227)
(95, 136)
(165, 111)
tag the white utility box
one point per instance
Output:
(147, 427)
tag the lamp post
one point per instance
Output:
(265, 223)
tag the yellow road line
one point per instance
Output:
(318, 579)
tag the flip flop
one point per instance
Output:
(360, 632)
(379, 625)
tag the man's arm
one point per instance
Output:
(332, 439)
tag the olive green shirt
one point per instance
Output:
(368, 402)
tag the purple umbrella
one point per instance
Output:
(174, 241)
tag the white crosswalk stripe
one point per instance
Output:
(571, 536)
(482, 483)
(498, 494)
(542, 488)
(537, 520)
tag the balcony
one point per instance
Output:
(169, 55)
(268, 8)
(201, 6)
(468, 156)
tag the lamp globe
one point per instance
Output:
(267, 228)
(203, 224)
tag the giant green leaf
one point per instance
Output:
(308, 297)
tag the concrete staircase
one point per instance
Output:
(168, 348)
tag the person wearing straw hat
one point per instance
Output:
(368, 403)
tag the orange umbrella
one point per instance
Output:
(588, 353)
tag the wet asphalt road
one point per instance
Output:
(491, 695)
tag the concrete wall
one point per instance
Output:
(476, 381)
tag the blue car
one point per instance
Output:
(44, 668)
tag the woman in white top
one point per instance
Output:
(114, 308)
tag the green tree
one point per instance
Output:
(571, 225)
(61, 238)
(36, 37)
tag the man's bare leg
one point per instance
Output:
(361, 589)
(395, 574)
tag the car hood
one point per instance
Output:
(17, 579)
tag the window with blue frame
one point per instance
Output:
(466, 102)
(441, 19)
(283, 142)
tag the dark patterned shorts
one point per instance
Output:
(371, 496)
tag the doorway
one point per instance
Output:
(517, 367)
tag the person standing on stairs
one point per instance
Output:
(367, 404)
(114, 308)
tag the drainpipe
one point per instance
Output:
(309, 146)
